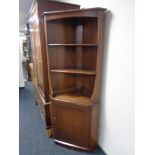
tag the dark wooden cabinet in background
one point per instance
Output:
(40, 78)
(74, 47)
(29, 54)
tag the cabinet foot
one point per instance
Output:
(50, 132)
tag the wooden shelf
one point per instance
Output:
(74, 97)
(50, 45)
(74, 71)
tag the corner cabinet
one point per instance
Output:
(74, 47)
(40, 79)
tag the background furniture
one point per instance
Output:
(74, 47)
(21, 74)
(29, 51)
(38, 51)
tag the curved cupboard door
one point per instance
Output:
(71, 124)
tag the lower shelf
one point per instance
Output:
(74, 97)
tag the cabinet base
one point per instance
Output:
(44, 106)
(73, 146)
(49, 132)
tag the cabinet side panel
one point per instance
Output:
(32, 38)
(36, 49)
(94, 125)
(39, 60)
(96, 92)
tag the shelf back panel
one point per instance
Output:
(72, 58)
(64, 83)
(62, 57)
(72, 31)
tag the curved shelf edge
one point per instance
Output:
(53, 45)
(73, 145)
(74, 71)
(66, 102)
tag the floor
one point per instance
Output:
(33, 139)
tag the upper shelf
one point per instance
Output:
(50, 45)
(74, 71)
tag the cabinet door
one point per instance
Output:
(71, 124)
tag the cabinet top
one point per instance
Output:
(52, 4)
(74, 11)
(88, 12)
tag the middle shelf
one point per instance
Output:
(51, 45)
(74, 71)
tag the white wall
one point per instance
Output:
(21, 75)
(117, 108)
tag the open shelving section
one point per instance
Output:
(73, 47)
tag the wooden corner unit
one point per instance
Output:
(40, 80)
(74, 46)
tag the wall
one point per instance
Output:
(21, 76)
(117, 99)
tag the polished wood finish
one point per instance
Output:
(31, 74)
(76, 97)
(71, 123)
(72, 44)
(28, 52)
(40, 78)
(74, 47)
(73, 71)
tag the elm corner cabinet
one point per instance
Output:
(40, 79)
(74, 45)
